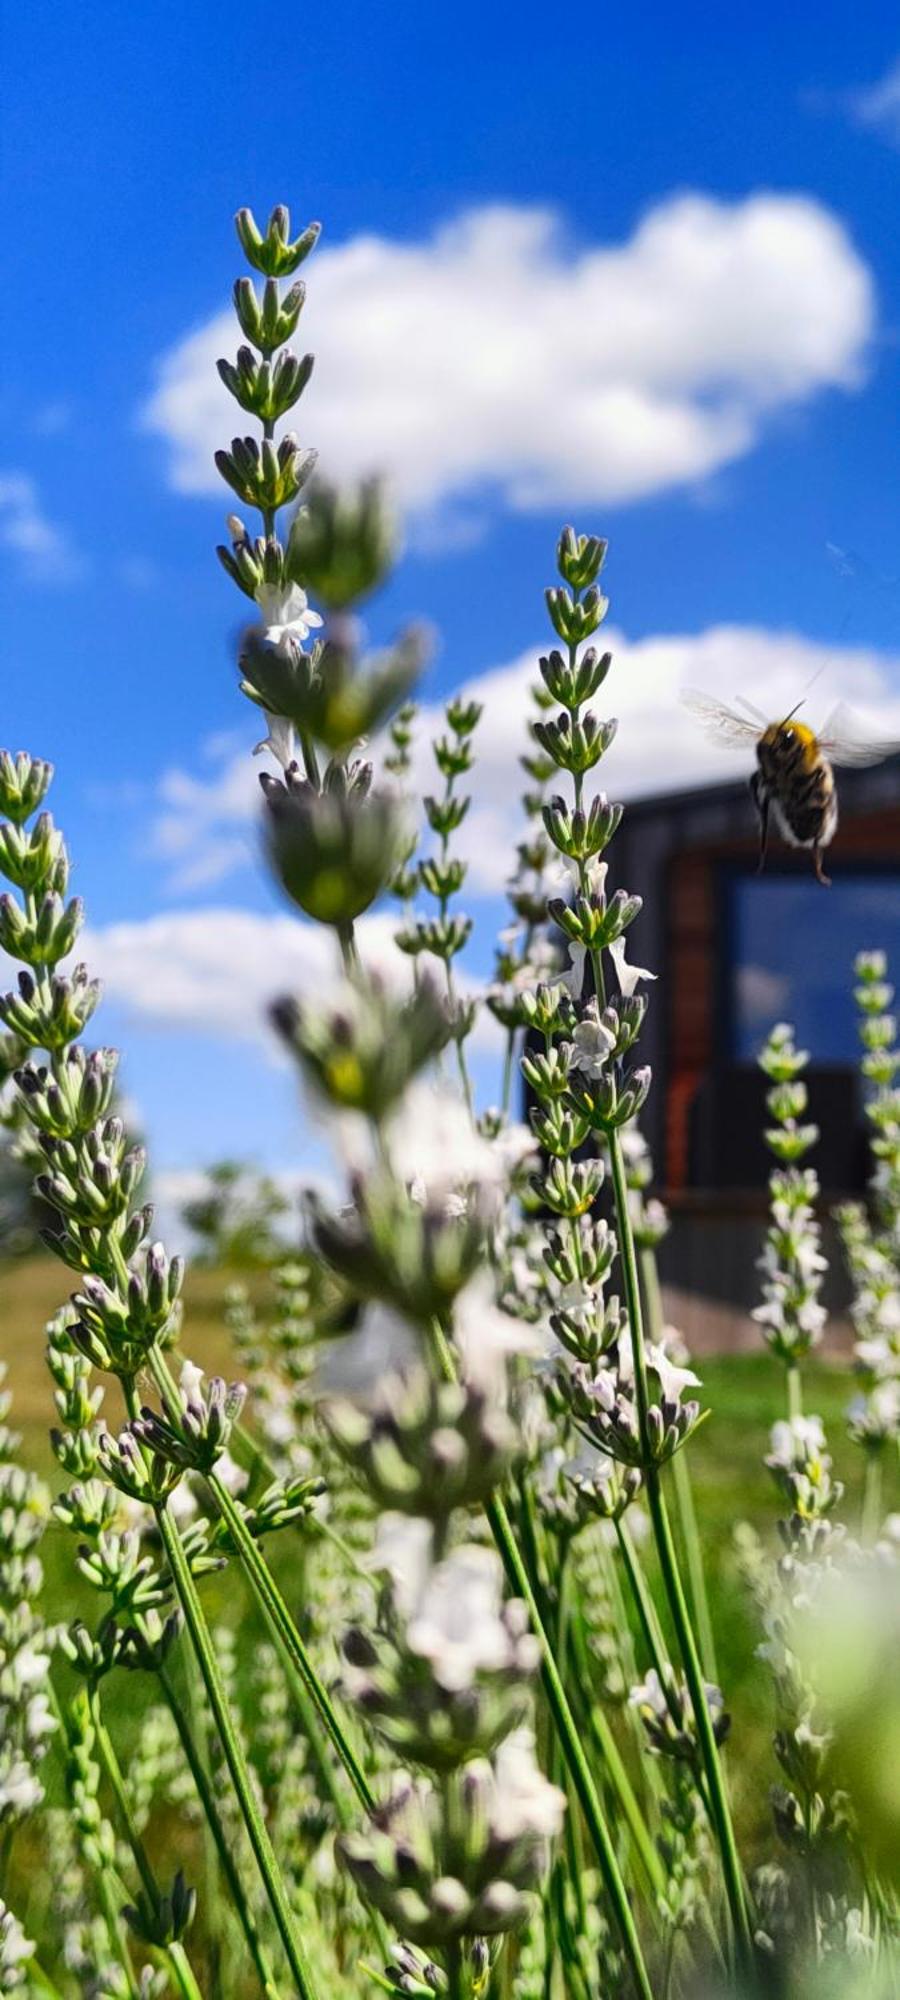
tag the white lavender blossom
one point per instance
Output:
(15, 1951)
(791, 1315)
(872, 1242)
(26, 1721)
(469, 1872)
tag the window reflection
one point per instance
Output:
(793, 945)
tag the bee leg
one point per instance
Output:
(762, 806)
(820, 873)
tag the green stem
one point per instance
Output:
(270, 1598)
(569, 1739)
(461, 1063)
(272, 1602)
(614, 1768)
(260, 1842)
(6, 1846)
(443, 905)
(508, 1060)
(668, 1561)
(647, 1618)
(39, 1981)
(453, 1968)
(669, 1963)
(116, 1930)
(684, 1497)
(795, 1392)
(598, 1723)
(572, 1830)
(103, 1874)
(872, 1507)
(690, 1538)
(227, 1860)
(310, 760)
(174, 1952)
(570, 1743)
(721, 1815)
(199, 1753)
(349, 950)
(681, 1619)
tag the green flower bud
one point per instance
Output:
(144, 1476)
(363, 1052)
(453, 759)
(167, 1918)
(463, 716)
(592, 921)
(412, 1256)
(570, 1187)
(323, 693)
(575, 743)
(580, 558)
(559, 1131)
(50, 1018)
(445, 815)
(333, 852)
(270, 321)
(250, 564)
(342, 543)
(267, 389)
(24, 784)
(575, 621)
(570, 684)
(454, 1864)
(612, 1099)
(548, 1010)
(195, 1436)
(265, 474)
(68, 1098)
(604, 1491)
(442, 878)
(46, 937)
(547, 1074)
(577, 833)
(28, 858)
(424, 1447)
(444, 937)
(274, 254)
(540, 770)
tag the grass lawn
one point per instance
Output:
(745, 1394)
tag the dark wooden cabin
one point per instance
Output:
(736, 951)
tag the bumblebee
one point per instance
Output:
(793, 784)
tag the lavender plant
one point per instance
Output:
(871, 1242)
(471, 1744)
(819, 1903)
(792, 1316)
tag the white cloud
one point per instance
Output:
(498, 358)
(207, 825)
(216, 970)
(174, 1187)
(44, 549)
(659, 745)
(877, 105)
(762, 994)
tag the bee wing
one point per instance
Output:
(751, 709)
(722, 723)
(844, 743)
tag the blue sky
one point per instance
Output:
(646, 277)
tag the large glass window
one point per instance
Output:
(792, 950)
